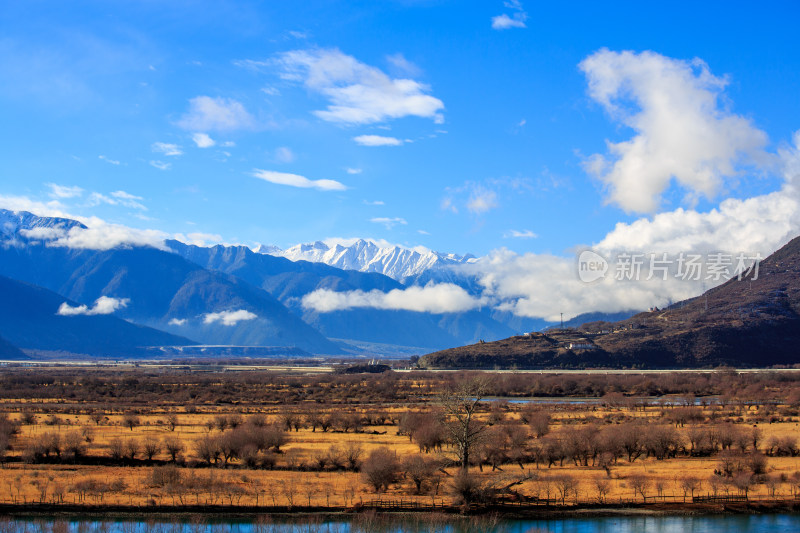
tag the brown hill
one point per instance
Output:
(748, 322)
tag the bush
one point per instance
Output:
(380, 469)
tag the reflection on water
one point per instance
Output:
(371, 523)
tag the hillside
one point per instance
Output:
(9, 351)
(163, 290)
(748, 322)
(29, 319)
(289, 281)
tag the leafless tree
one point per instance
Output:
(174, 447)
(460, 404)
(381, 468)
(130, 420)
(639, 483)
(151, 447)
(689, 485)
(420, 469)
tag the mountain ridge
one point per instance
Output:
(750, 322)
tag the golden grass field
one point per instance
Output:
(21, 482)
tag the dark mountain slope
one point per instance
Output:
(29, 319)
(750, 322)
(165, 291)
(9, 351)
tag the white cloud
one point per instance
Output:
(524, 234)
(198, 238)
(102, 306)
(284, 154)
(516, 20)
(43, 233)
(504, 22)
(482, 200)
(377, 140)
(108, 160)
(63, 191)
(177, 321)
(374, 202)
(220, 114)
(682, 132)
(117, 198)
(202, 140)
(101, 235)
(402, 64)
(295, 180)
(389, 223)
(542, 286)
(161, 165)
(98, 234)
(166, 149)
(351, 170)
(358, 93)
(441, 298)
(229, 318)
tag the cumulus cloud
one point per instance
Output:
(388, 222)
(104, 305)
(351, 170)
(377, 140)
(516, 20)
(220, 114)
(166, 149)
(358, 93)
(433, 298)
(295, 180)
(177, 321)
(543, 286)
(229, 318)
(203, 140)
(63, 191)
(100, 235)
(681, 130)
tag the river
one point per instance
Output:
(420, 524)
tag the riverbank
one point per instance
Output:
(506, 511)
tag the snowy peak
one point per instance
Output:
(15, 225)
(365, 255)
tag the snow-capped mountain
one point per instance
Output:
(398, 262)
(24, 225)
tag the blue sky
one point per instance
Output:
(241, 120)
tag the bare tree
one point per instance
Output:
(420, 469)
(174, 447)
(689, 485)
(639, 483)
(151, 447)
(603, 487)
(566, 486)
(130, 420)
(380, 469)
(460, 403)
